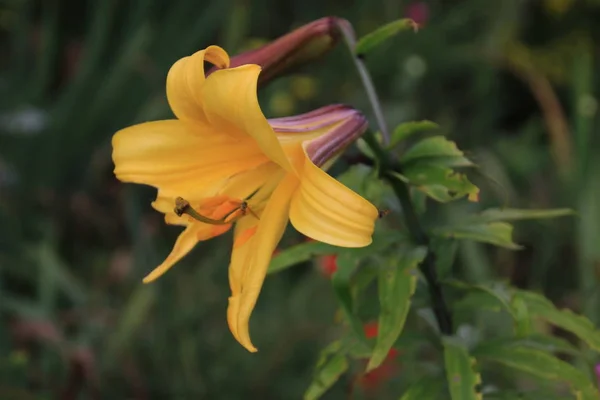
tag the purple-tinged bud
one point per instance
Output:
(292, 50)
(326, 131)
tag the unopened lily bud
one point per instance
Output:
(333, 128)
(290, 51)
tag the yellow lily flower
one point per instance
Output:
(232, 165)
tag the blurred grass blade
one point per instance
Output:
(397, 283)
(540, 364)
(130, 321)
(462, 379)
(371, 40)
(54, 276)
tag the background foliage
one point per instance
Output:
(511, 82)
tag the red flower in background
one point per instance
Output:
(418, 12)
(386, 371)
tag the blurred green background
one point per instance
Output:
(512, 82)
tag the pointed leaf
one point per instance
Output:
(440, 183)
(462, 379)
(496, 233)
(513, 214)
(540, 364)
(407, 129)
(506, 297)
(326, 376)
(583, 328)
(424, 389)
(375, 38)
(396, 284)
(436, 146)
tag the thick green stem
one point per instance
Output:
(387, 170)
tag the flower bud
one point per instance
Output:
(292, 50)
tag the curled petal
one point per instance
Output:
(324, 209)
(185, 243)
(234, 106)
(251, 260)
(185, 80)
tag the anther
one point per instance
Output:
(382, 213)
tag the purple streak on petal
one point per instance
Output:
(325, 147)
(314, 120)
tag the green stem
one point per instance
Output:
(387, 168)
(348, 34)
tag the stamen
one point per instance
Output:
(182, 206)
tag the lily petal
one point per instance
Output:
(185, 243)
(185, 79)
(251, 260)
(325, 210)
(175, 157)
(234, 106)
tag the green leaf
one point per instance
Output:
(540, 364)
(327, 375)
(478, 301)
(436, 146)
(307, 251)
(505, 296)
(407, 129)
(375, 38)
(424, 389)
(462, 379)
(496, 233)
(538, 341)
(396, 285)
(583, 328)
(299, 253)
(513, 214)
(341, 280)
(440, 183)
(445, 253)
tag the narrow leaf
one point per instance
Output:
(496, 233)
(583, 328)
(462, 379)
(513, 214)
(396, 284)
(327, 375)
(375, 38)
(424, 389)
(540, 364)
(407, 129)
